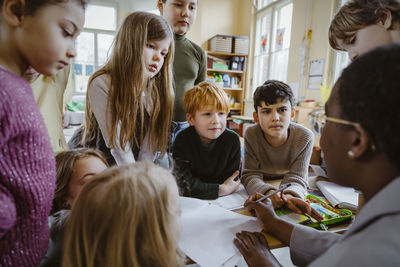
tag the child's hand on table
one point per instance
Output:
(229, 186)
(299, 206)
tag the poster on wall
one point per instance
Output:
(315, 73)
(280, 33)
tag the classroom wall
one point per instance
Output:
(316, 15)
(230, 17)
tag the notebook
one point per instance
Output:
(339, 196)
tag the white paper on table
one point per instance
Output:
(208, 231)
(234, 200)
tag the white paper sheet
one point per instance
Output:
(208, 231)
(233, 201)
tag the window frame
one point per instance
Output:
(261, 13)
(96, 32)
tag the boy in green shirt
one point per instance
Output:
(190, 64)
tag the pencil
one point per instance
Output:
(273, 193)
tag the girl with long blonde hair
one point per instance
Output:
(125, 216)
(130, 99)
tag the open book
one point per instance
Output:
(339, 196)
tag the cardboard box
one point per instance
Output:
(221, 43)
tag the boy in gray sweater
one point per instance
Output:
(276, 148)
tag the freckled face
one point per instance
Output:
(209, 123)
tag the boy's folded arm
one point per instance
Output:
(189, 184)
(298, 172)
(8, 211)
(254, 183)
(298, 186)
(203, 190)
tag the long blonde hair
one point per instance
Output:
(125, 216)
(125, 68)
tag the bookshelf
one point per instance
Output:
(235, 87)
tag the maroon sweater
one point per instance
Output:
(27, 175)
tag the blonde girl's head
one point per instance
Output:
(132, 93)
(125, 216)
(73, 168)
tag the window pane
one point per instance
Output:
(84, 62)
(261, 71)
(85, 48)
(285, 21)
(101, 17)
(282, 27)
(279, 65)
(104, 42)
(263, 3)
(273, 30)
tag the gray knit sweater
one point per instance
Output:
(289, 161)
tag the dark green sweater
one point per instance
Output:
(205, 167)
(190, 67)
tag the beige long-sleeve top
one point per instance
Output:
(289, 161)
(97, 96)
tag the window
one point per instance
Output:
(94, 43)
(273, 30)
(263, 3)
(340, 59)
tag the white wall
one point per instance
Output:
(316, 15)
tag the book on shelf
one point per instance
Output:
(339, 196)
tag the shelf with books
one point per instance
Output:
(229, 71)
